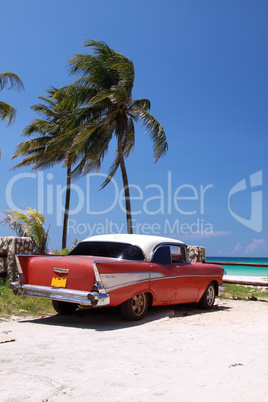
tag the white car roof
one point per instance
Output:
(145, 242)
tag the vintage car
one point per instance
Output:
(130, 271)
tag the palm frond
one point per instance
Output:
(141, 104)
(94, 151)
(102, 95)
(98, 76)
(29, 224)
(156, 132)
(12, 220)
(45, 99)
(11, 79)
(41, 127)
(7, 112)
(125, 70)
(119, 96)
(129, 141)
(113, 169)
(101, 49)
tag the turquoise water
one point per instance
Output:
(242, 270)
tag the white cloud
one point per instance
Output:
(256, 246)
(238, 247)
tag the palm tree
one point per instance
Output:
(50, 146)
(8, 112)
(29, 224)
(105, 88)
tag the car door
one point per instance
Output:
(163, 275)
(186, 275)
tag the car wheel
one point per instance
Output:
(64, 307)
(208, 297)
(135, 308)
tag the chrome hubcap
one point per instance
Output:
(138, 304)
(210, 295)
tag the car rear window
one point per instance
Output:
(108, 249)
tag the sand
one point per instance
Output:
(246, 280)
(177, 353)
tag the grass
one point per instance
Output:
(21, 305)
(32, 306)
(244, 292)
(24, 305)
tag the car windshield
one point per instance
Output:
(108, 249)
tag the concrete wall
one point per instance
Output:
(197, 253)
(9, 246)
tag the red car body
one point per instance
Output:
(132, 271)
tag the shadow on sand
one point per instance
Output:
(108, 319)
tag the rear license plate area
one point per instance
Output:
(58, 282)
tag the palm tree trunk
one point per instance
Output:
(120, 128)
(127, 196)
(67, 207)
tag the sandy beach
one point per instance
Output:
(177, 353)
(246, 280)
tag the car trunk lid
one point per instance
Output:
(70, 272)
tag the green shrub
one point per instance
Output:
(65, 251)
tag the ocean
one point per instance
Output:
(241, 270)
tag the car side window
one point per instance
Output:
(133, 253)
(162, 255)
(178, 254)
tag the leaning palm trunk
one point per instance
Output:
(121, 128)
(67, 207)
(127, 196)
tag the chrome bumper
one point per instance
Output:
(80, 297)
(220, 289)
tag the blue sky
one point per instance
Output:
(203, 65)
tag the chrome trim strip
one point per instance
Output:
(116, 280)
(189, 276)
(39, 255)
(117, 260)
(18, 264)
(83, 298)
(99, 283)
(112, 281)
(61, 270)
